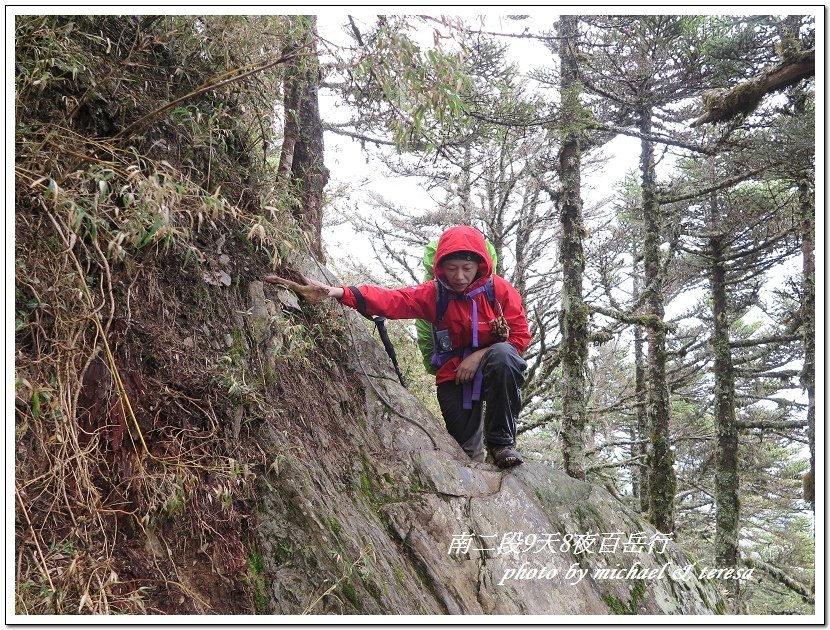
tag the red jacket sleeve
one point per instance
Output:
(514, 313)
(417, 302)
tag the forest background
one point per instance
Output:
(722, 377)
(673, 302)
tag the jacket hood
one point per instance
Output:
(459, 239)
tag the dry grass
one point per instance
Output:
(119, 428)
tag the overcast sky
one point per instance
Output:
(350, 167)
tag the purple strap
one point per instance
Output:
(472, 390)
(475, 324)
(471, 295)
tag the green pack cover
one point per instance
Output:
(423, 328)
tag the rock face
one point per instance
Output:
(376, 510)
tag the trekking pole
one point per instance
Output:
(380, 323)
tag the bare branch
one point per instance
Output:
(783, 578)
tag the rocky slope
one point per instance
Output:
(238, 451)
(375, 510)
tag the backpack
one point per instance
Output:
(424, 329)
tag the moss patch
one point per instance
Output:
(256, 578)
(615, 605)
(350, 593)
(618, 607)
(335, 526)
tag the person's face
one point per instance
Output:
(459, 273)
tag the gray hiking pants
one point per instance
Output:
(501, 398)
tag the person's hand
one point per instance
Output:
(466, 370)
(321, 286)
(313, 290)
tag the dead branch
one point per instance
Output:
(725, 104)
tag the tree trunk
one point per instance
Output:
(302, 174)
(662, 480)
(641, 427)
(727, 508)
(574, 316)
(808, 375)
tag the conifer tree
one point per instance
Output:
(574, 316)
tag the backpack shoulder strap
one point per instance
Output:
(442, 298)
(490, 290)
(491, 296)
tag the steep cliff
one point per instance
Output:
(370, 508)
(239, 451)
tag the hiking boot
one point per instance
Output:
(505, 456)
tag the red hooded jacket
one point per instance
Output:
(420, 301)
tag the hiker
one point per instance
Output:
(479, 340)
